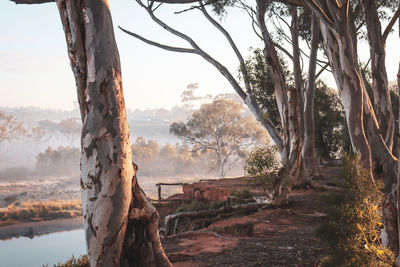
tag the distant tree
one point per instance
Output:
(218, 128)
(70, 129)
(143, 152)
(38, 134)
(10, 128)
(62, 161)
(188, 97)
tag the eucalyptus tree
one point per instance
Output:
(287, 133)
(121, 225)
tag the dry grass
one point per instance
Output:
(40, 210)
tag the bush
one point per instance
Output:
(216, 205)
(354, 224)
(242, 195)
(194, 206)
(262, 166)
(82, 261)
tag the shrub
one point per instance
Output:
(82, 261)
(242, 195)
(262, 166)
(194, 206)
(353, 228)
(214, 205)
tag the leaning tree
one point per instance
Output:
(295, 143)
(370, 125)
(121, 225)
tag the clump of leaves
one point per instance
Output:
(262, 167)
(82, 261)
(194, 206)
(242, 195)
(214, 205)
(355, 222)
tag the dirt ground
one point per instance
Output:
(282, 236)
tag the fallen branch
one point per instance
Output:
(193, 218)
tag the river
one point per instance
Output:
(41, 250)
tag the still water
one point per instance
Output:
(41, 250)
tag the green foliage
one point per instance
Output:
(214, 205)
(331, 134)
(262, 166)
(194, 206)
(242, 195)
(263, 87)
(354, 224)
(82, 261)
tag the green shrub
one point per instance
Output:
(194, 206)
(262, 166)
(353, 228)
(216, 205)
(242, 195)
(82, 261)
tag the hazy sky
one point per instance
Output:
(35, 71)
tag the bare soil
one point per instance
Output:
(283, 236)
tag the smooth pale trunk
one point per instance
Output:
(120, 223)
(362, 124)
(382, 101)
(310, 160)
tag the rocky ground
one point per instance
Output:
(282, 236)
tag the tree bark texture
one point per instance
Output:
(120, 223)
(382, 101)
(344, 63)
(310, 160)
(288, 104)
(363, 126)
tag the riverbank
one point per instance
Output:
(31, 229)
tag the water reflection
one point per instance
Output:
(47, 249)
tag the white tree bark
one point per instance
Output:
(120, 224)
(310, 160)
(382, 101)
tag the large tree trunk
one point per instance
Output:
(310, 160)
(280, 90)
(362, 124)
(382, 102)
(289, 174)
(120, 223)
(288, 105)
(341, 52)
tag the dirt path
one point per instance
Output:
(282, 236)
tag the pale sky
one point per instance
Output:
(35, 71)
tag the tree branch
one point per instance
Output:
(231, 43)
(165, 47)
(390, 25)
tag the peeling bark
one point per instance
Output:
(340, 50)
(120, 223)
(364, 129)
(382, 101)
